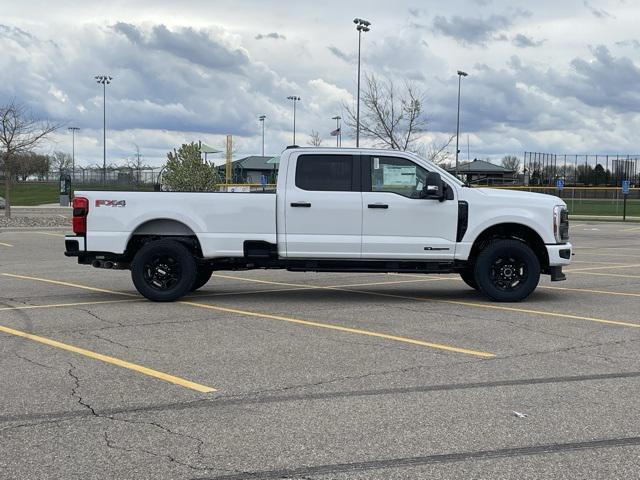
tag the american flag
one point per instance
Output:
(335, 132)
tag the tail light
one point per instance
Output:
(80, 212)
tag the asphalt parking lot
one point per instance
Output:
(270, 374)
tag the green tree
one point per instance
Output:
(31, 164)
(185, 170)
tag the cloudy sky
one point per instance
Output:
(552, 76)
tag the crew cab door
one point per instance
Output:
(323, 206)
(397, 223)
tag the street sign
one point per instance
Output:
(625, 187)
(559, 184)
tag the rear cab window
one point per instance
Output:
(325, 173)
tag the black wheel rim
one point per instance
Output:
(162, 272)
(508, 273)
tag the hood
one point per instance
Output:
(519, 196)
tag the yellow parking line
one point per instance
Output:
(6, 244)
(58, 305)
(620, 275)
(598, 263)
(498, 307)
(635, 265)
(286, 319)
(485, 306)
(50, 234)
(588, 290)
(608, 255)
(341, 328)
(315, 287)
(111, 360)
(67, 284)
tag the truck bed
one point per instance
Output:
(221, 221)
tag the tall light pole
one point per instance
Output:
(261, 118)
(104, 80)
(294, 99)
(460, 75)
(337, 118)
(73, 151)
(362, 26)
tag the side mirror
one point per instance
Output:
(433, 187)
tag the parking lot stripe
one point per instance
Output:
(54, 305)
(620, 275)
(50, 234)
(586, 269)
(341, 328)
(298, 286)
(6, 244)
(111, 360)
(67, 284)
(481, 305)
(282, 318)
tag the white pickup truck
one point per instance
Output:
(334, 210)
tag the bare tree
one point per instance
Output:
(437, 152)
(20, 132)
(314, 139)
(136, 164)
(60, 161)
(511, 162)
(391, 117)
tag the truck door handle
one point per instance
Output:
(378, 205)
(301, 204)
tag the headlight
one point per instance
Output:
(561, 223)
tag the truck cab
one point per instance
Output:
(334, 209)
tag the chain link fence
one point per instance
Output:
(592, 201)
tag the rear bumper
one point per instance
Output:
(74, 245)
(559, 254)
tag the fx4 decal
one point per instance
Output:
(111, 203)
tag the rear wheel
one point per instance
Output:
(202, 277)
(469, 277)
(507, 271)
(163, 270)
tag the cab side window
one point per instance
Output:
(397, 175)
(325, 173)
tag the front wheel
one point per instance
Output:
(163, 270)
(507, 271)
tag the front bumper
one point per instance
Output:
(74, 245)
(559, 254)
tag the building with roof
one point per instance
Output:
(251, 169)
(483, 172)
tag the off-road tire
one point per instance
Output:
(163, 270)
(507, 271)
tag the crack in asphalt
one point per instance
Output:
(252, 399)
(75, 393)
(26, 359)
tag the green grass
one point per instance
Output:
(26, 194)
(602, 207)
(29, 194)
